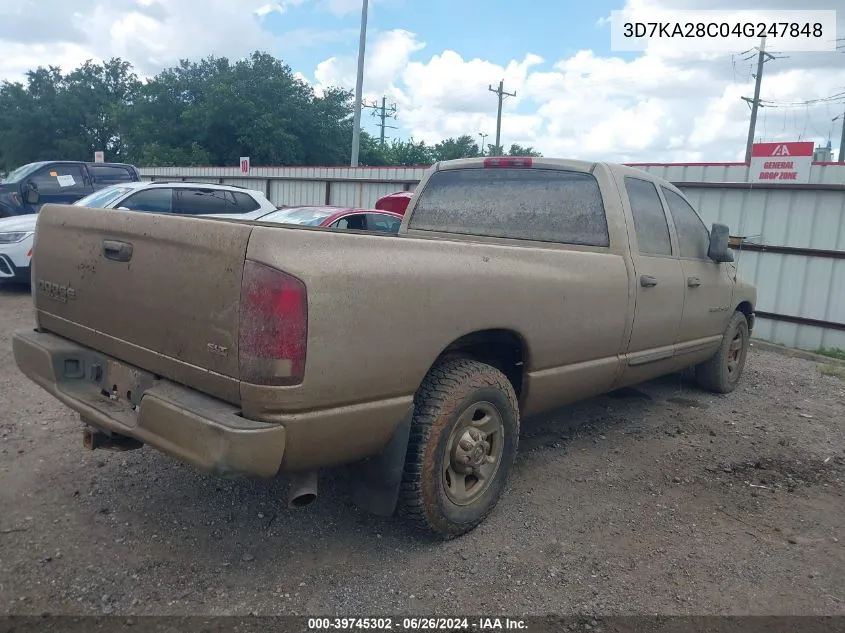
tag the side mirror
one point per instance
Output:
(30, 194)
(719, 240)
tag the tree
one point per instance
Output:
(255, 107)
(519, 150)
(411, 154)
(210, 111)
(452, 148)
(55, 116)
(96, 99)
(372, 153)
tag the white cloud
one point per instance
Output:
(149, 33)
(658, 106)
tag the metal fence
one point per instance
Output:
(794, 247)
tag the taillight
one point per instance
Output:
(273, 332)
(508, 161)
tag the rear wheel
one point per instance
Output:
(463, 443)
(721, 373)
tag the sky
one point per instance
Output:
(436, 59)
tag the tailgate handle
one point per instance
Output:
(118, 251)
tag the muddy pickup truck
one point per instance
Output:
(513, 287)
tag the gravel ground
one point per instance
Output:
(660, 499)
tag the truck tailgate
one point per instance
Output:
(161, 292)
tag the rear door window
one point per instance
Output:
(545, 205)
(244, 203)
(110, 174)
(190, 201)
(384, 223)
(649, 217)
(355, 222)
(157, 200)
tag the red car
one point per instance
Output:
(396, 202)
(335, 217)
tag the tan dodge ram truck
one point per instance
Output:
(514, 286)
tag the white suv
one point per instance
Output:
(187, 198)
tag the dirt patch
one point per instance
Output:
(788, 472)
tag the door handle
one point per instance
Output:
(693, 282)
(117, 251)
(647, 281)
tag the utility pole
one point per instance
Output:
(762, 57)
(501, 94)
(383, 112)
(359, 87)
(842, 140)
(483, 136)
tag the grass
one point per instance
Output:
(833, 370)
(832, 352)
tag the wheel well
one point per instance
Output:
(503, 349)
(746, 308)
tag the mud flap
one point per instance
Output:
(376, 480)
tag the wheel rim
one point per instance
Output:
(473, 453)
(735, 350)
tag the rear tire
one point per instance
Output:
(463, 443)
(722, 372)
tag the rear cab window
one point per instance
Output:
(110, 174)
(544, 205)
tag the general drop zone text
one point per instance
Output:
(778, 175)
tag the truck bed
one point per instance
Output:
(380, 307)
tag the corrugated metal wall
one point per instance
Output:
(790, 285)
(296, 192)
(794, 285)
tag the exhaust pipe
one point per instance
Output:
(303, 489)
(93, 439)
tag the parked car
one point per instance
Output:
(396, 202)
(26, 188)
(17, 233)
(331, 217)
(514, 286)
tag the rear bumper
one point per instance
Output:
(195, 428)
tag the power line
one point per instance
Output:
(383, 112)
(501, 94)
(834, 98)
